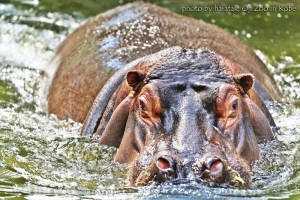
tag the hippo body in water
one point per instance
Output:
(192, 112)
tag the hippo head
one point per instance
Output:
(189, 115)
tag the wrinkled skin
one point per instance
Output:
(175, 115)
(187, 114)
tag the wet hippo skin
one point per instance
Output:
(191, 112)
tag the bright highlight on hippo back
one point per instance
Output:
(181, 99)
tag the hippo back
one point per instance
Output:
(104, 44)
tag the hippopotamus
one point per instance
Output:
(181, 99)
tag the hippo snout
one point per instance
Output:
(211, 171)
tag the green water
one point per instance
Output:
(44, 158)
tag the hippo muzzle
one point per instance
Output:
(212, 161)
(185, 115)
(210, 171)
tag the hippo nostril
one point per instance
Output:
(164, 163)
(215, 165)
(165, 169)
(214, 170)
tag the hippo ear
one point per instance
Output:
(134, 79)
(245, 82)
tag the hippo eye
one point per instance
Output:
(142, 105)
(235, 105)
(142, 102)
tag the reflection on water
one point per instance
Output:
(41, 157)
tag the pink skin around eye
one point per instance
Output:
(149, 108)
(233, 99)
(143, 102)
(143, 99)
